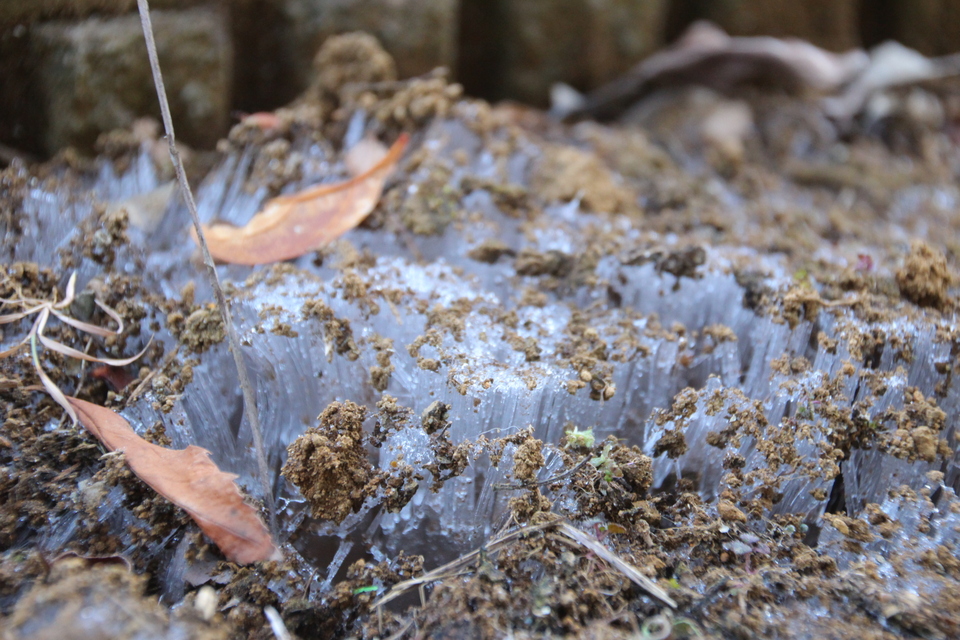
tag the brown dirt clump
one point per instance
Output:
(202, 329)
(924, 277)
(413, 102)
(381, 372)
(729, 512)
(352, 57)
(512, 199)
(329, 464)
(27, 279)
(85, 599)
(614, 481)
(434, 204)
(534, 263)
(565, 172)
(106, 233)
(917, 427)
(528, 459)
(449, 460)
(489, 251)
(337, 334)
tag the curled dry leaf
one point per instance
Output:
(290, 226)
(44, 309)
(190, 480)
(364, 156)
(706, 55)
(891, 65)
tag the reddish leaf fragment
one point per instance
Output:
(364, 156)
(290, 226)
(117, 378)
(265, 120)
(190, 480)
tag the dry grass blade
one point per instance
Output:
(246, 386)
(86, 326)
(616, 562)
(32, 305)
(25, 340)
(290, 226)
(279, 629)
(46, 308)
(188, 477)
(48, 384)
(456, 566)
(80, 355)
(190, 480)
(564, 528)
(20, 315)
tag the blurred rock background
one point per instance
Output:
(72, 69)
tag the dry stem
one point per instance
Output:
(460, 565)
(249, 399)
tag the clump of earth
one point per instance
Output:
(727, 360)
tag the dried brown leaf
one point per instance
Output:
(705, 55)
(364, 156)
(290, 226)
(190, 480)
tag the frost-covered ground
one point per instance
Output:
(747, 319)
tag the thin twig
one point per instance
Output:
(279, 629)
(456, 566)
(167, 359)
(83, 368)
(509, 486)
(249, 399)
(618, 563)
(403, 629)
(574, 535)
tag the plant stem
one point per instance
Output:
(249, 398)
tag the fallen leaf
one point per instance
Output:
(117, 378)
(891, 65)
(266, 120)
(364, 156)
(290, 226)
(145, 211)
(706, 55)
(188, 479)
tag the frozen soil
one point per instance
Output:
(728, 361)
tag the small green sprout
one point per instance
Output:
(606, 464)
(577, 439)
(368, 589)
(804, 411)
